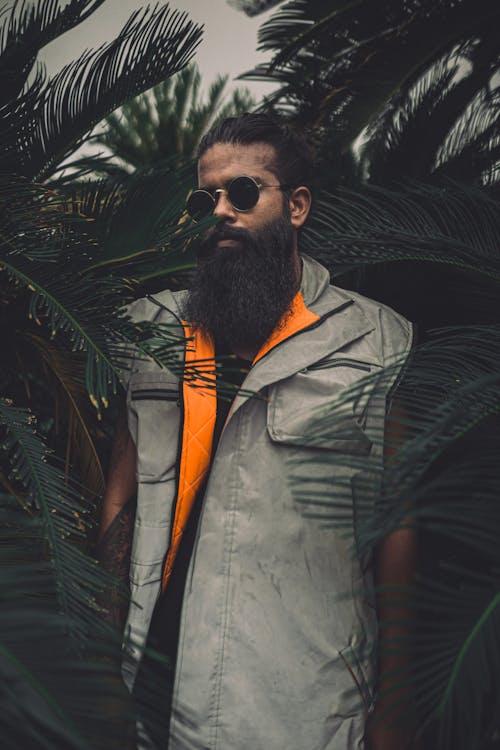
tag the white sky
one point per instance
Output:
(228, 45)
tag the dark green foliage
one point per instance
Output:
(45, 119)
(66, 273)
(165, 124)
(408, 76)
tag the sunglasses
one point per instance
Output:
(243, 193)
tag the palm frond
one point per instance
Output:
(153, 44)
(340, 67)
(166, 124)
(58, 693)
(390, 147)
(68, 375)
(63, 512)
(458, 663)
(446, 110)
(67, 295)
(26, 28)
(452, 224)
(141, 222)
(471, 150)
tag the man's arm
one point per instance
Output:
(117, 521)
(391, 726)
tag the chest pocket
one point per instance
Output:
(155, 405)
(324, 406)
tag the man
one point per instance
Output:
(235, 580)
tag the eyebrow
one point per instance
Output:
(210, 188)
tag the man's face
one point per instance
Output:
(225, 161)
(248, 266)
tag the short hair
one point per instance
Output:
(294, 159)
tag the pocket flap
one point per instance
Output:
(343, 434)
(320, 410)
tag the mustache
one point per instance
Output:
(224, 232)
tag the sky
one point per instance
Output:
(228, 46)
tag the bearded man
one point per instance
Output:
(242, 588)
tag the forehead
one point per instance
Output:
(223, 161)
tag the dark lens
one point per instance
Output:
(200, 204)
(243, 192)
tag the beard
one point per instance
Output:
(239, 293)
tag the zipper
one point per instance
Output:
(324, 364)
(180, 440)
(179, 397)
(157, 394)
(180, 403)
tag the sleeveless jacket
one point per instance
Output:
(278, 621)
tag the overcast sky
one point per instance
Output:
(228, 46)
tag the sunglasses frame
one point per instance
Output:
(211, 195)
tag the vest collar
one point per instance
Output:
(315, 280)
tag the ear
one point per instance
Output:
(300, 205)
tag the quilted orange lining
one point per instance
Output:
(200, 404)
(294, 320)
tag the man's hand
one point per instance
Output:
(117, 523)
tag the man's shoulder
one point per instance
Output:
(390, 333)
(374, 309)
(160, 307)
(385, 333)
(321, 296)
(163, 310)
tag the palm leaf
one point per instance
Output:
(66, 295)
(165, 125)
(453, 225)
(445, 112)
(26, 28)
(141, 215)
(152, 45)
(75, 400)
(340, 67)
(63, 511)
(57, 693)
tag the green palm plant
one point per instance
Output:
(43, 121)
(165, 124)
(63, 333)
(380, 71)
(445, 126)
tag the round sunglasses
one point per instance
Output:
(243, 193)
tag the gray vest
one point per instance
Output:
(278, 624)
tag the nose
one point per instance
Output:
(223, 207)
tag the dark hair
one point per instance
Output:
(294, 160)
